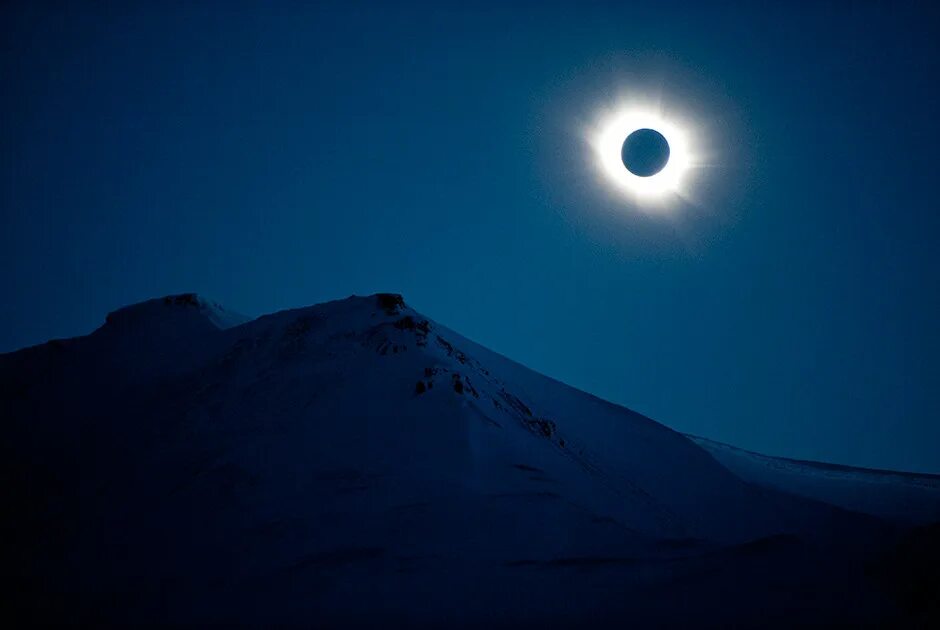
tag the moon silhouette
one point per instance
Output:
(645, 152)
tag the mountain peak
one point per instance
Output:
(356, 446)
(173, 309)
(392, 303)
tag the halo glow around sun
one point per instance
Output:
(607, 140)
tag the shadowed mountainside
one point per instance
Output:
(355, 462)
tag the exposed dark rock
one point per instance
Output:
(408, 323)
(543, 426)
(390, 302)
(515, 403)
(451, 351)
(183, 299)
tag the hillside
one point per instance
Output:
(356, 462)
(896, 496)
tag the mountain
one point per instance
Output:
(901, 497)
(356, 463)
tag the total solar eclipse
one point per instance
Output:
(645, 152)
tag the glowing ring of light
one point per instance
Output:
(608, 142)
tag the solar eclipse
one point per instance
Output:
(643, 154)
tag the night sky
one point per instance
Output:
(272, 157)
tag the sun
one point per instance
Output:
(607, 139)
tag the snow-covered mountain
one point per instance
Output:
(357, 463)
(896, 496)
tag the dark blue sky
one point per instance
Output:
(271, 157)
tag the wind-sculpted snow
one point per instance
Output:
(356, 463)
(904, 497)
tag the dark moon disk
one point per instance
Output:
(645, 152)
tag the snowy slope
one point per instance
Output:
(905, 497)
(355, 461)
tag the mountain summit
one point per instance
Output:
(356, 462)
(174, 311)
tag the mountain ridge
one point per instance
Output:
(358, 446)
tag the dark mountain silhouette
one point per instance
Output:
(357, 463)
